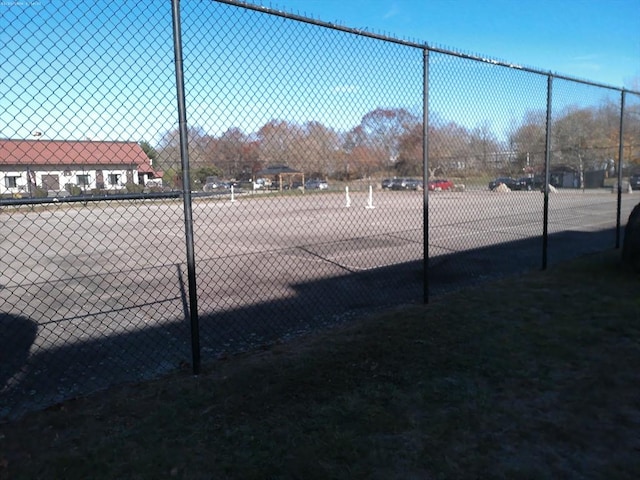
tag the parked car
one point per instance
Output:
(438, 185)
(316, 184)
(512, 183)
(219, 186)
(262, 183)
(387, 183)
(415, 184)
(211, 186)
(296, 185)
(406, 184)
(524, 183)
(634, 181)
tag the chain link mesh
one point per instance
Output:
(487, 130)
(306, 167)
(584, 147)
(281, 99)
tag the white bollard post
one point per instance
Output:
(348, 204)
(370, 204)
(232, 198)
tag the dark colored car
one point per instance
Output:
(512, 183)
(406, 184)
(218, 185)
(634, 181)
(524, 183)
(440, 185)
(387, 182)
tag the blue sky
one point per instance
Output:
(103, 70)
(597, 40)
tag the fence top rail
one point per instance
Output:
(407, 43)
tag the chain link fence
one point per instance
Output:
(284, 189)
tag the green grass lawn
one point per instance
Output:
(533, 377)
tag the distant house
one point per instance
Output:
(53, 165)
(561, 176)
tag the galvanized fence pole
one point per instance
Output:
(186, 189)
(620, 164)
(547, 162)
(425, 174)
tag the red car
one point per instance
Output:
(440, 185)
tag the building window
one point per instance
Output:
(11, 182)
(82, 180)
(114, 179)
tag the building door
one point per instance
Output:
(51, 182)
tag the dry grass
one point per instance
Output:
(530, 377)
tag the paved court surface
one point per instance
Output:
(95, 295)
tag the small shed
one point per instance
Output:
(283, 176)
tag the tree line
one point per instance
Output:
(388, 142)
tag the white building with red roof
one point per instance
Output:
(54, 165)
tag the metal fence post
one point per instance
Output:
(425, 174)
(620, 163)
(186, 189)
(547, 162)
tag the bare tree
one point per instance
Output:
(236, 153)
(486, 150)
(528, 141)
(201, 148)
(381, 131)
(322, 149)
(281, 143)
(410, 157)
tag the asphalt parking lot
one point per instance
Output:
(99, 294)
